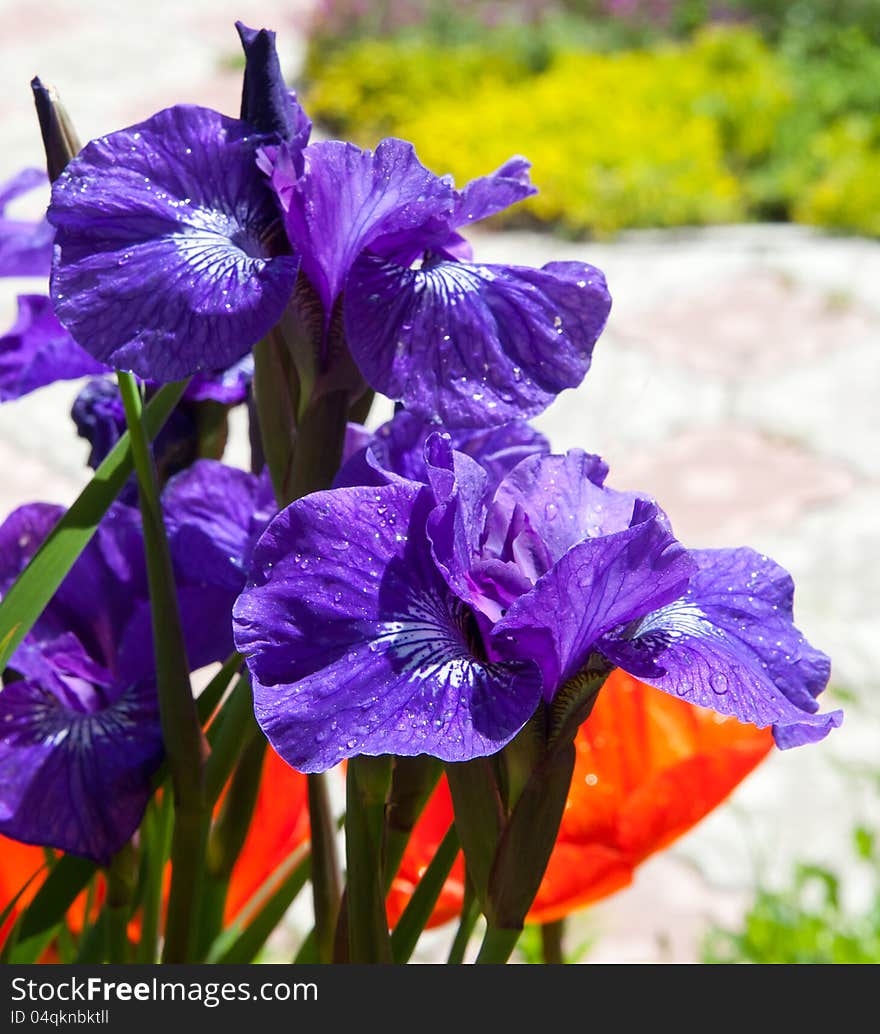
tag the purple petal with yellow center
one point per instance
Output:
(165, 260)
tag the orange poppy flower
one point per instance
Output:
(649, 767)
(18, 862)
(279, 826)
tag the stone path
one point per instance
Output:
(737, 381)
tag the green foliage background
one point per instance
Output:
(774, 114)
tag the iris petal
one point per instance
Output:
(471, 345)
(490, 194)
(37, 351)
(348, 198)
(25, 247)
(598, 585)
(88, 773)
(730, 644)
(564, 498)
(163, 259)
(398, 450)
(214, 514)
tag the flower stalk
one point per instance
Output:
(368, 781)
(181, 731)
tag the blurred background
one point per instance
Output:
(721, 163)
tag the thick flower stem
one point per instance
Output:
(302, 446)
(157, 842)
(413, 781)
(367, 784)
(498, 945)
(230, 831)
(121, 881)
(326, 881)
(551, 942)
(181, 732)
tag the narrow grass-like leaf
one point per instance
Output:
(242, 941)
(63, 884)
(8, 910)
(420, 906)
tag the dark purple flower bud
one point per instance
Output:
(60, 141)
(100, 418)
(266, 102)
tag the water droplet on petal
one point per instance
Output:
(718, 682)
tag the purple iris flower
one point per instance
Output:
(80, 736)
(25, 247)
(166, 240)
(172, 257)
(464, 343)
(433, 615)
(398, 449)
(37, 350)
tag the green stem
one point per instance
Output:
(235, 728)
(420, 906)
(157, 844)
(498, 945)
(367, 784)
(229, 834)
(121, 881)
(320, 438)
(180, 726)
(360, 408)
(326, 880)
(413, 780)
(470, 913)
(250, 930)
(551, 942)
(303, 455)
(276, 400)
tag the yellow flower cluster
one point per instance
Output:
(637, 138)
(847, 192)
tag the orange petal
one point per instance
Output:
(280, 825)
(649, 766)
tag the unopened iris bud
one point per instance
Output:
(59, 137)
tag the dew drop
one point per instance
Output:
(718, 682)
